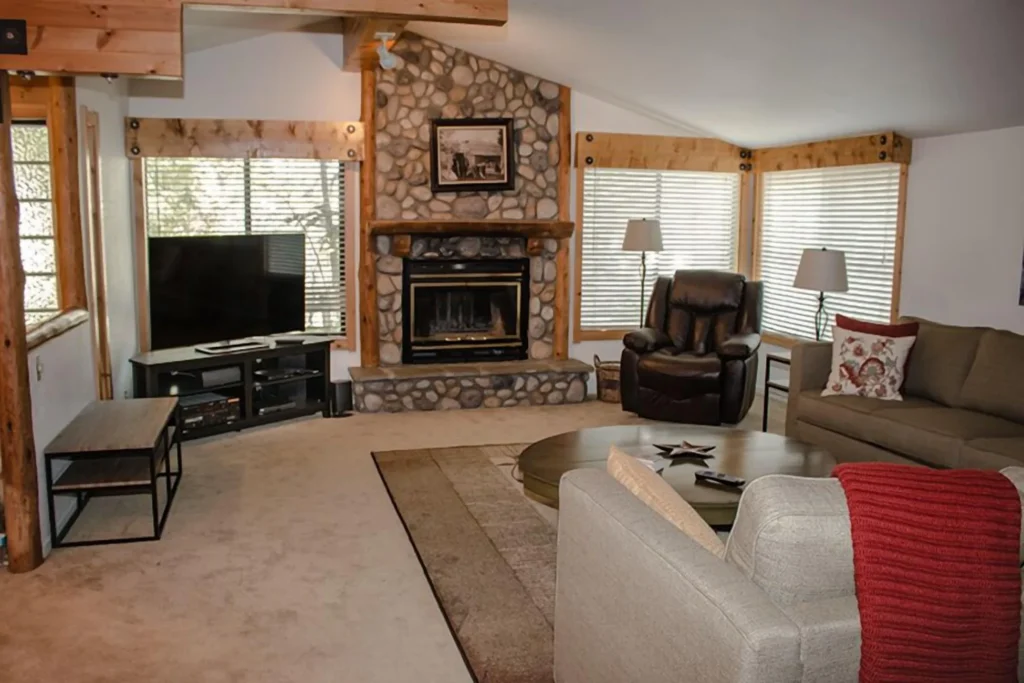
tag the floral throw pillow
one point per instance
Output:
(867, 365)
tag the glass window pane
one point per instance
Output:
(40, 293)
(32, 181)
(37, 256)
(698, 214)
(230, 196)
(852, 209)
(36, 219)
(31, 142)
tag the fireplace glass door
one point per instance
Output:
(465, 315)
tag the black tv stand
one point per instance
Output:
(232, 346)
(271, 383)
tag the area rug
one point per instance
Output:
(488, 552)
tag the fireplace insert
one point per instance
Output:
(465, 311)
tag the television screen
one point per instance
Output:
(211, 289)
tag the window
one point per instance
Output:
(33, 187)
(698, 212)
(197, 196)
(849, 208)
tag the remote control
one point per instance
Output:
(719, 478)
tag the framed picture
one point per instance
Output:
(472, 155)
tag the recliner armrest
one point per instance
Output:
(646, 340)
(740, 346)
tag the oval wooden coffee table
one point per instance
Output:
(737, 452)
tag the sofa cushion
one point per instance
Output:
(840, 413)
(657, 494)
(915, 428)
(993, 453)
(792, 539)
(994, 383)
(940, 360)
(936, 435)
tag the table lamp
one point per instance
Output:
(642, 235)
(821, 270)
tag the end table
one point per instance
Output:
(782, 358)
(115, 448)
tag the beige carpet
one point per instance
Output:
(283, 560)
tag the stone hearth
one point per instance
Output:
(461, 386)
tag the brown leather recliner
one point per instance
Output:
(696, 359)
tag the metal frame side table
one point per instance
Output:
(116, 448)
(783, 358)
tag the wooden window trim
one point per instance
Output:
(234, 139)
(53, 100)
(346, 342)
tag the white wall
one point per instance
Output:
(965, 229)
(62, 382)
(110, 101)
(285, 76)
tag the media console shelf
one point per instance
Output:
(281, 382)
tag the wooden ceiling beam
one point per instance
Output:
(487, 12)
(144, 37)
(361, 42)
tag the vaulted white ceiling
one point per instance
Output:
(766, 72)
(755, 72)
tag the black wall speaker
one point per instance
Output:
(13, 37)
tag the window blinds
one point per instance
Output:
(194, 196)
(850, 208)
(698, 214)
(33, 188)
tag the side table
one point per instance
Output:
(115, 448)
(782, 358)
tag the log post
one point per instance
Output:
(17, 445)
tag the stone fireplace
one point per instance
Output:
(467, 321)
(464, 296)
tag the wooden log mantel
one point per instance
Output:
(498, 228)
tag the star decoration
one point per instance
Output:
(685, 450)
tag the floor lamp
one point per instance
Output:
(821, 270)
(642, 235)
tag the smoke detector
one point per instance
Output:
(388, 59)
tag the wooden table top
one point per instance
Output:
(133, 424)
(738, 452)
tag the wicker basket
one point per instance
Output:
(607, 380)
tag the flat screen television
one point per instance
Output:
(219, 288)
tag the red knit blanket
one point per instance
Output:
(936, 568)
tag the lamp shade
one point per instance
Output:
(642, 235)
(822, 270)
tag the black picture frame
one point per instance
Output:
(480, 176)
